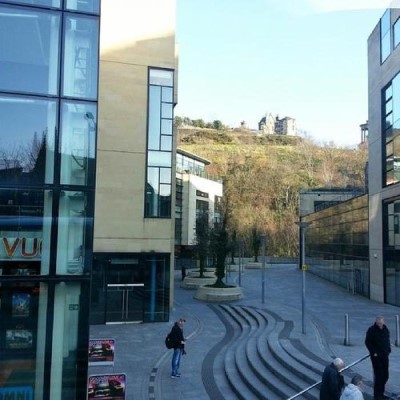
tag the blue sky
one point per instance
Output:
(306, 59)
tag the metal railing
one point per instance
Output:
(319, 382)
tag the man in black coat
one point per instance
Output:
(332, 381)
(377, 341)
(178, 342)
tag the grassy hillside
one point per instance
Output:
(263, 175)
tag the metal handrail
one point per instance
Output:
(317, 383)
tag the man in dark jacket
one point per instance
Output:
(178, 342)
(332, 381)
(377, 341)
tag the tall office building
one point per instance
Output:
(384, 158)
(135, 182)
(86, 188)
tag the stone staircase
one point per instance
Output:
(258, 359)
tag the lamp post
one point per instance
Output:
(303, 226)
(263, 244)
(240, 261)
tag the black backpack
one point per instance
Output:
(168, 341)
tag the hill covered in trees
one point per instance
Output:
(263, 176)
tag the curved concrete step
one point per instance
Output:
(238, 386)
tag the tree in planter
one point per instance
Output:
(220, 248)
(202, 240)
(255, 242)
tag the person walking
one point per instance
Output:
(178, 341)
(353, 391)
(377, 341)
(332, 381)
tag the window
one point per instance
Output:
(396, 33)
(27, 144)
(29, 62)
(77, 143)
(25, 224)
(385, 36)
(45, 3)
(159, 144)
(81, 40)
(391, 131)
(201, 194)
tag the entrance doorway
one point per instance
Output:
(125, 292)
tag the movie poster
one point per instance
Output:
(101, 351)
(19, 339)
(107, 387)
(21, 304)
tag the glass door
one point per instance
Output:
(125, 293)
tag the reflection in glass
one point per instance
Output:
(90, 6)
(161, 77)
(396, 33)
(29, 56)
(67, 347)
(27, 144)
(80, 57)
(167, 94)
(385, 35)
(159, 158)
(72, 224)
(25, 222)
(45, 3)
(23, 305)
(154, 118)
(77, 148)
(337, 244)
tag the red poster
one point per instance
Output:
(101, 351)
(107, 387)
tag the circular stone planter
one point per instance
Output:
(232, 268)
(196, 273)
(192, 282)
(213, 294)
(255, 265)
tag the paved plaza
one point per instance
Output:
(140, 352)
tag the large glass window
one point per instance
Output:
(396, 33)
(70, 350)
(77, 143)
(160, 140)
(45, 3)
(337, 244)
(385, 36)
(27, 135)
(23, 309)
(25, 223)
(81, 41)
(391, 131)
(73, 225)
(90, 6)
(29, 62)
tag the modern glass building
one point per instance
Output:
(384, 157)
(337, 244)
(48, 115)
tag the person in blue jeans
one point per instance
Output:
(178, 341)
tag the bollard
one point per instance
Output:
(397, 342)
(346, 330)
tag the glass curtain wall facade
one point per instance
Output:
(48, 113)
(336, 243)
(159, 143)
(391, 242)
(391, 131)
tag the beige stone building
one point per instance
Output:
(133, 244)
